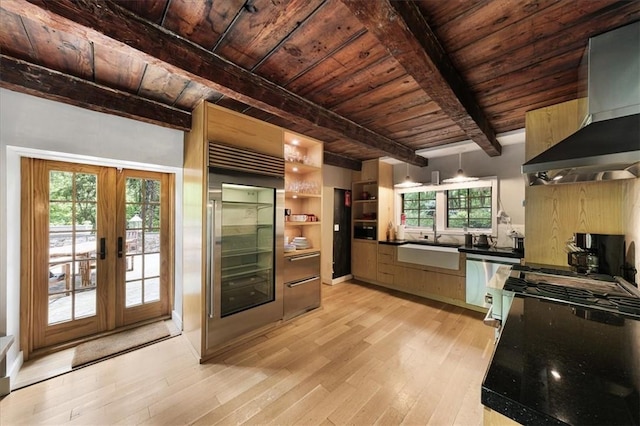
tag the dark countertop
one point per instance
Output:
(393, 242)
(493, 251)
(552, 365)
(490, 251)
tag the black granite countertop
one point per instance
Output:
(558, 364)
(493, 251)
(393, 242)
(489, 251)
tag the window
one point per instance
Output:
(419, 208)
(455, 207)
(469, 208)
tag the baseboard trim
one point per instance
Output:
(340, 280)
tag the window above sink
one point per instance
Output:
(456, 207)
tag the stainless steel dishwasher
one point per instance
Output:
(301, 284)
(480, 269)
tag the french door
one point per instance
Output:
(96, 250)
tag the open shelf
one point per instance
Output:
(300, 168)
(303, 189)
(294, 195)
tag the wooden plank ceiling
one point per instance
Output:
(370, 78)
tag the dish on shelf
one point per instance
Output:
(301, 243)
(288, 248)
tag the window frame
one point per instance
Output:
(441, 205)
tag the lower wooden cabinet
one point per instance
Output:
(364, 258)
(386, 264)
(434, 283)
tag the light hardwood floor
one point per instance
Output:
(368, 357)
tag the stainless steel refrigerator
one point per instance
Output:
(244, 256)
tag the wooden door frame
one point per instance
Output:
(28, 258)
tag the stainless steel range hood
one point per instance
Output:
(607, 146)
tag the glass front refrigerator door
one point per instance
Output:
(247, 236)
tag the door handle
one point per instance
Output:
(103, 248)
(119, 246)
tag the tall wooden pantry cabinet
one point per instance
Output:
(372, 212)
(235, 182)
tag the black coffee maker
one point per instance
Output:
(598, 253)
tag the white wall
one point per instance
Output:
(332, 178)
(35, 127)
(477, 163)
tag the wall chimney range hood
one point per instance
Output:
(607, 146)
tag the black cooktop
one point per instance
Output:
(594, 290)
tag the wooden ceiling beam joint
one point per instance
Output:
(25, 77)
(338, 160)
(400, 26)
(116, 26)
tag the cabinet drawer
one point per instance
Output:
(385, 258)
(301, 296)
(386, 249)
(387, 269)
(303, 266)
(385, 278)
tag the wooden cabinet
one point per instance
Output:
(212, 126)
(386, 264)
(303, 190)
(372, 206)
(554, 212)
(371, 213)
(434, 283)
(364, 258)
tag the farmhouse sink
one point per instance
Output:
(433, 254)
(435, 244)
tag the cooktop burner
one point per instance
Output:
(574, 288)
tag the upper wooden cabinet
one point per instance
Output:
(547, 126)
(553, 213)
(233, 128)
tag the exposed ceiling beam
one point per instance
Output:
(111, 25)
(22, 76)
(402, 29)
(341, 161)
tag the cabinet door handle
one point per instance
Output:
(119, 246)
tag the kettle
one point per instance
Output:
(482, 240)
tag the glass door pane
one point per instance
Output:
(142, 241)
(72, 246)
(247, 247)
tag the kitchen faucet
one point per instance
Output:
(434, 227)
